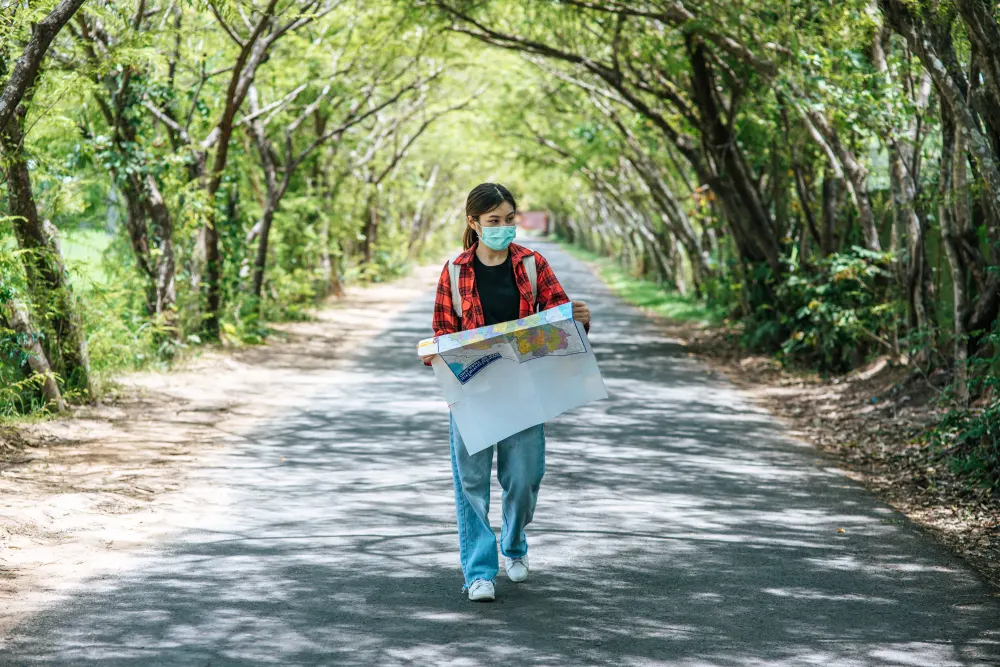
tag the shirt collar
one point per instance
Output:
(517, 253)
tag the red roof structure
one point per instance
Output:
(534, 220)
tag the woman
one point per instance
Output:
(495, 287)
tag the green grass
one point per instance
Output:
(82, 251)
(646, 294)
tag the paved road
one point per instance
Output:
(676, 525)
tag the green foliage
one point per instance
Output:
(969, 439)
(18, 387)
(828, 314)
(14, 389)
(120, 335)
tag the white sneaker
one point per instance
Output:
(517, 568)
(481, 589)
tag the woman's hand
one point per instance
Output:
(581, 313)
(428, 357)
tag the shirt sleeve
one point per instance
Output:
(445, 320)
(550, 292)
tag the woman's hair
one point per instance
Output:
(484, 198)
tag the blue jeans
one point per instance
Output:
(520, 467)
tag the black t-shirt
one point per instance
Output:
(497, 291)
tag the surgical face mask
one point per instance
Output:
(497, 238)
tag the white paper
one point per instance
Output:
(501, 379)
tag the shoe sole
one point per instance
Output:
(483, 598)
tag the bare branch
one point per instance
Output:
(399, 154)
(305, 17)
(273, 105)
(194, 99)
(225, 26)
(167, 120)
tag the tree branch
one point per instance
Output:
(273, 105)
(167, 120)
(27, 66)
(225, 26)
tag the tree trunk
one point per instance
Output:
(952, 174)
(778, 194)
(903, 152)
(165, 266)
(929, 35)
(677, 219)
(148, 220)
(673, 265)
(260, 258)
(67, 349)
(856, 176)
(135, 224)
(739, 192)
(210, 279)
(18, 319)
(244, 71)
(932, 44)
(417, 223)
(145, 205)
(329, 256)
(979, 17)
(805, 202)
(271, 196)
(325, 263)
(665, 200)
(917, 273)
(831, 202)
(371, 229)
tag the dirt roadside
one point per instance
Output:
(80, 496)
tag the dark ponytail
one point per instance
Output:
(484, 198)
(470, 238)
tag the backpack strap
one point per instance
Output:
(529, 266)
(456, 296)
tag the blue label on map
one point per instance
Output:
(477, 365)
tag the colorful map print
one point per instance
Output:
(540, 341)
(550, 332)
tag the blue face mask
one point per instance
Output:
(498, 238)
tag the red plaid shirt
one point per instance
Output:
(550, 292)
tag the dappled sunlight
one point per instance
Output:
(676, 525)
(805, 594)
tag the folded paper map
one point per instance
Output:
(501, 379)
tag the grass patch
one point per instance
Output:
(646, 294)
(83, 250)
(85, 246)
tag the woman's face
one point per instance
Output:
(501, 215)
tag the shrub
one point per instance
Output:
(823, 315)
